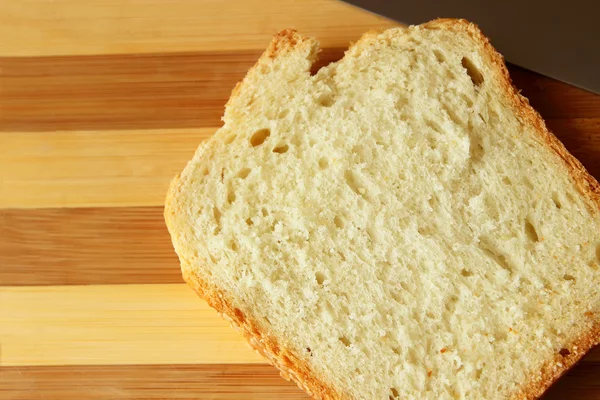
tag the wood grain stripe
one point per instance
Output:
(92, 168)
(71, 27)
(114, 324)
(216, 382)
(86, 246)
(118, 324)
(177, 91)
(118, 92)
(131, 91)
(133, 168)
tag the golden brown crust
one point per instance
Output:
(295, 368)
(587, 185)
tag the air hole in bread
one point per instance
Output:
(233, 245)
(439, 56)
(339, 222)
(249, 222)
(264, 212)
(476, 150)
(283, 113)
(323, 163)
(229, 139)
(466, 272)
(353, 184)
(451, 304)
(433, 201)
(230, 196)
(217, 215)
(244, 173)
(396, 350)
(205, 171)
(394, 394)
(320, 277)
(326, 100)
(345, 341)
(259, 137)
(568, 277)
(424, 230)
(473, 72)
(401, 103)
(556, 201)
(478, 373)
(452, 114)
(531, 232)
(468, 101)
(396, 297)
(564, 352)
(527, 182)
(283, 148)
(495, 256)
(433, 125)
(506, 180)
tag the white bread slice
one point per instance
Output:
(400, 225)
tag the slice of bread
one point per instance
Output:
(399, 225)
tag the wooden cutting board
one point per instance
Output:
(101, 102)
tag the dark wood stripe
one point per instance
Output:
(582, 383)
(217, 382)
(234, 381)
(554, 99)
(122, 91)
(83, 246)
(177, 90)
(581, 136)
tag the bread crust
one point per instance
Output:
(292, 366)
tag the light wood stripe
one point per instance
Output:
(123, 91)
(134, 167)
(83, 246)
(70, 27)
(92, 168)
(148, 382)
(118, 324)
(114, 324)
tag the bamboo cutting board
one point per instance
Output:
(101, 103)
